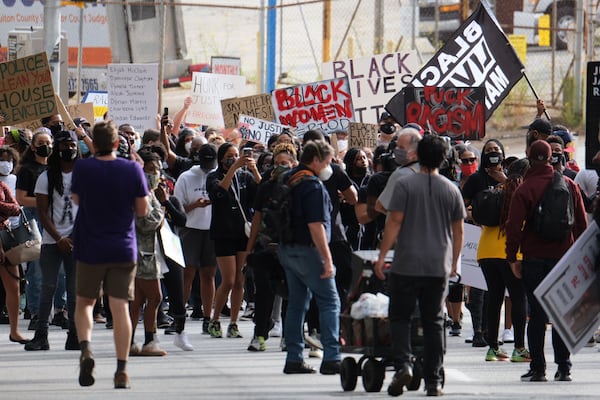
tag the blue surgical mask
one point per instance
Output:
(83, 148)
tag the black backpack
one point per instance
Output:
(276, 226)
(487, 205)
(554, 216)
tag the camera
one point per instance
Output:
(247, 151)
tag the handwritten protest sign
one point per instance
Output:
(258, 106)
(207, 92)
(373, 80)
(133, 94)
(471, 273)
(455, 112)
(26, 91)
(363, 135)
(325, 105)
(85, 110)
(34, 124)
(226, 65)
(570, 293)
(100, 101)
(258, 130)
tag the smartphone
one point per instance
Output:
(247, 151)
(166, 111)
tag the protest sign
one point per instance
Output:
(133, 94)
(477, 54)
(207, 92)
(570, 293)
(226, 65)
(455, 112)
(325, 105)
(362, 135)
(83, 110)
(34, 124)
(258, 130)
(592, 116)
(100, 101)
(26, 91)
(373, 80)
(471, 273)
(258, 106)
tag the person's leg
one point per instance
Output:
(152, 291)
(60, 294)
(508, 324)
(533, 274)
(207, 289)
(50, 262)
(135, 306)
(33, 289)
(84, 309)
(188, 278)
(227, 267)
(518, 305)
(341, 253)
(493, 277)
(263, 298)
(122, 326)
(403, 299)
(173, 281)
(11, 285)
(431, 300)
(237, 291)
(562, 356)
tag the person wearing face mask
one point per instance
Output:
(83, 131)
(308, 262)
(176, 163)
(198, 246)
(57, 213)
(263, 258)
(558, 160)
(469, 162)
(54, 123)
(357, 168)
(231, 189)
(183, 145)
(33, 163)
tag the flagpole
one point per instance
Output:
(535, 94)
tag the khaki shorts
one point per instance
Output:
(117, 280)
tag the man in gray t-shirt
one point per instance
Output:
(425, 220)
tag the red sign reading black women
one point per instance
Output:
(324, 105)
(455, 112)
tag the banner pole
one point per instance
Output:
(536, 95)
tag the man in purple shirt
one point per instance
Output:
(110, 192)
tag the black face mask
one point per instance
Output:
(68, 154)
(43, 150)
(557, 159)
(55, 129)
(490, 160)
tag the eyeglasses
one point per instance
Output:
(469, 160)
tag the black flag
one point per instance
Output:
(477, 54)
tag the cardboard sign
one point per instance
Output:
(455, 112)
(100, 101)
(207, 92)
(133, 94)
(258, 106)
(374, 80)
(226, 65)
(592, 116)
(325, 105)
(362, 135)
(471, 273)
(26, 91)
(85, 110)
(34, 124)
(258, 130)
(570, 293)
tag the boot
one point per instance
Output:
(39, 341)
(72, 342)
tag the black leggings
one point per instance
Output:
(173, 281)
(499, 277)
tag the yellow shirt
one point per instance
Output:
(492, 244)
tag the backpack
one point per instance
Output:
(554, 216)
(487, 205)
(276, 225)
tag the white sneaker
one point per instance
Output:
(276, 330)
(315, 353)
(314, 339)
(182, 341)
(508, 336)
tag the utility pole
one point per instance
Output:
(326, 31)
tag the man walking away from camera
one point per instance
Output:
(425, 220)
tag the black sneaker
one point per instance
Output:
(33, 323)
(72, 342)
(455, 330)
(39, 342)
(330, 367)
(196, 314)
(563, 376)
(534, 376)
(171, 329)
(163, 321)
(298, 368)
(109, 323)
(205, 323)
(60, 319)
(479, 341)
(434, 390)
(401, 378)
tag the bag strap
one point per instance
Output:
(237, 198)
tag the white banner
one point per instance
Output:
(373, 80)
(207, 92)
(570, 293)
(133, 94)
(471, 273)
(258, 130)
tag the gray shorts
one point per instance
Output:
(198, 248)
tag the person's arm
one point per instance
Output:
(457, 244)
(24, 200)
(9, 207)
(172, 206)
(141, 206)
(64, 243)
(81, 135)
(256, 221)
(319, 238)
(390, 233)
(164, 139)
(350, 195)
(180, 115)
(362, 213)
(153, 219)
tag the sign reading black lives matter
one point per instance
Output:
(26, 91)
(592, 117)
(477, 54)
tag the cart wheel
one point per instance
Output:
(349, 374)
(373, 374)
(415, 383)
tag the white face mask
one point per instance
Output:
(6, 167)
(326, 173)
(342, 145)
(188, 147)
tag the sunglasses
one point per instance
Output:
(469, 160)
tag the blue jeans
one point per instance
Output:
(303, 266)
(534, 272)
(429, 293)
(51, 258)
(34, 273)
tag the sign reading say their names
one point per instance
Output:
(258, 106)
(133, 94)
(374, 80)
(26, 91)
(363, 135)
(207, 92)
(324, 105)
(258, 130)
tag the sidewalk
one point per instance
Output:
(224, 369)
